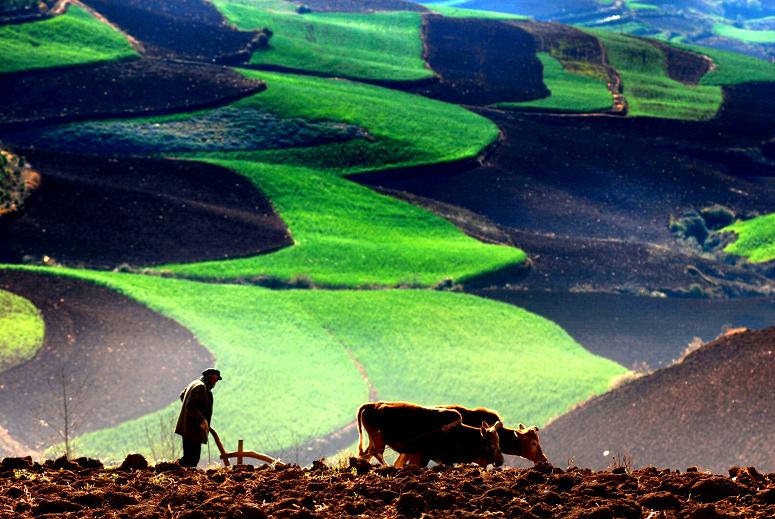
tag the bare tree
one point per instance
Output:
(163, 443)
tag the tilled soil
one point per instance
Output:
(139, 212)
(85, 489)
(117, 359)
(714, 409)
(118, 89)
(188, 29)
(480, 61)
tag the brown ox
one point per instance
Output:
(414, 430)
(518, 442)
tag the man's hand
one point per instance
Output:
(204, 427)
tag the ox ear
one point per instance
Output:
(483, 429)
(521, 426)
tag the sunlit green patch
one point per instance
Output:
(291, 354)
(450, 11)
(570, 92)
(756, 238)
(640, 6)
(73, 38)
(648, 89)
(384, 46)
(21, 330)
(744, 35)
(732, 68)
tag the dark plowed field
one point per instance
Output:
(120, 360)
(634, 330)
(715, 410)
(682, 65)
(323, 492)
(122, 89)
(101, 213)
(594, 177)
(480, 61)
(359, 6)
(190, 29)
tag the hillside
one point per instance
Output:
(346, 201)
(712, 409)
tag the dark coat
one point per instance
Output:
(197, 409)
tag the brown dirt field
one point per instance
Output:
(85, 489)
(480, 61)
(715, 409)
(121, 360)
(119, 89)
(139, 212)
(682, 65)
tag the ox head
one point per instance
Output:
(492, 443)
(528, 445)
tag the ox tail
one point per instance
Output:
(361, 410)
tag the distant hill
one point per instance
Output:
(745, 26)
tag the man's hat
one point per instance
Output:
(212, 371)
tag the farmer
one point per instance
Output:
(194, 420)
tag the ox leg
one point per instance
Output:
(408, 459)
(376, 447)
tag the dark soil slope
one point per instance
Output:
(595, 177)
(118, 89)
(639, 332)
(359, 6)
(119, 359)
(715, 409)
(481, 61)
(86, 489)
(101, 213)
(682, 65)
(190, 29)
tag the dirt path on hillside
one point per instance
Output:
(117, 359)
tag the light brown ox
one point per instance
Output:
(412, 430)
(522, 441)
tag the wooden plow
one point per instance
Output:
(241, 454)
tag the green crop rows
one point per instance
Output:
(756, 238)
(21, 330)
(570, 92)
(291, 353)
(73, 38)
(384, 46)
(745, 35)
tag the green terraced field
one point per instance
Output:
(21, 330)
(377, 46)
(355, 237)
(286, 354)
(648, 89)
(570, 92)
(73, 38)
(744, 35)
(347, 235)
(756, 238)
(732, 68)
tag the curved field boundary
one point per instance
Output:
(382, 46)
(118, 360)
(139, 212)
(73, 38)
(21, 330)
(284, 354)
